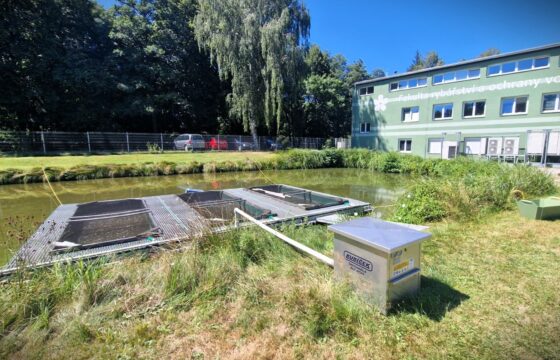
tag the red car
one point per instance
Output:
(215, 144)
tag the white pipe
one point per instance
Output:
(324, 259)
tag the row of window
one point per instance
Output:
(509, 106)
(456, 76)
(459, 75)
(516, 66)
(408, 84)
(472, 109)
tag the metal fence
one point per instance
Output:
(47, 142)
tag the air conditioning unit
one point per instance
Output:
(495, 146)
(511, 146)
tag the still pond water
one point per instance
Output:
(24, 207)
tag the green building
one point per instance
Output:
(505, 107)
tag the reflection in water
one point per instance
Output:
(24, 207)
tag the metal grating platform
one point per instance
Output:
(176, 220)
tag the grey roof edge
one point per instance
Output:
(461, 63)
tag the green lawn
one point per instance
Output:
(29, 162)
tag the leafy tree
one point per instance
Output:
(163, 81)
(318, 61)
(52, 63)
(431, 59)
(255, 43)
(326, 109)
(417, 62)
(489, 52)
(377, 73)
(356, 72)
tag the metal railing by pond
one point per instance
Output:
(55, 142)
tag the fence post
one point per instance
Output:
(127, 143)
(219, 146)
(161, 140)
(239, 147)
(305, 143)
(43, 141)
(88, 142)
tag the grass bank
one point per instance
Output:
(488, 291)
(132, 159)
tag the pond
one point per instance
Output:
(24, 207)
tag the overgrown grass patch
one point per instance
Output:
(488, 291)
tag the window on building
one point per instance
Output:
(515, 66)
(443, 111)
(551, 102)
(456, 76)
(474, 108)
(366, 90)
(514, 105)
(408, 84)
(541, 62)
(365, 127)
(405, 145)
(434, 146)
(410, 114)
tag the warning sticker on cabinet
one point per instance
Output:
(403, 267)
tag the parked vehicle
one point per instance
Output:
(243, 145)
(189, 142)
(216, 144)
(273, 145)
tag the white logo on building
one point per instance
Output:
(380, 103)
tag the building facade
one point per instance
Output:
(505, 106)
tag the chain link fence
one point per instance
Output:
(55, 142)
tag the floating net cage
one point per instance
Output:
(218, 206)
(109, 222)
(305, 199)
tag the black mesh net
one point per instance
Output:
(206, 196)
(109, 207)
(218, 206)
(110, 230)
(306, 199)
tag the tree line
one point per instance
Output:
(214, 66)
(170, 65)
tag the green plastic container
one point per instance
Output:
(540, 209)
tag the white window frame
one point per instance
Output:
(443, 81)
(365, 128)
(516, 69)
(410, 108)
(367, 88)
(435, 140)
(443, 113)
(556, 104)
(474, 109)
(405, 151)
(514, 105)
(408, 84)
